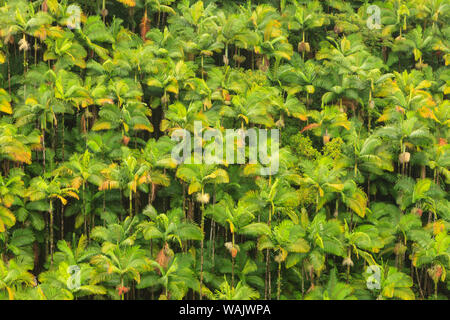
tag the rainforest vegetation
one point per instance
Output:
(93, 206)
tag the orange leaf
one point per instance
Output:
(310, 126)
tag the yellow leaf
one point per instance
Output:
(164, 125)
(310, 89)
(5, 107)
(321, 192)
(31, 101)
(388, 292)
(129, 3)
(154, 83)
(423, 84)
(337, 186)
(446, 89)
(250, 169)
(101, 125)
(7, 218)
(63, 200)
(172, 88)
(8, 200)
(194, 187)
(76, 182)
(438, 227)
(79, 220)
(243, 117)
(345, 44)
(231, 226)
(52, 5)
(143, 127)
(104, 101)
(10, 293)
(384, 117)
(73, 195)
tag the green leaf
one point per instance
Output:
(187, 231)
(37, 221)
(299, 246)
(421, 187)
(41, 205)
(255, 229)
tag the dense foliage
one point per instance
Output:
(93, 206)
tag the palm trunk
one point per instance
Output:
(62, 137)
(213, 228)
(9, 73)
(84, 212)
(51, 231)
(62, 222)
(418, 283)
(202, 227)
(130, 199)
(349, 252)
(279, 281)
(267, 291)
(43, 149)
(303, 280)
(232, 262)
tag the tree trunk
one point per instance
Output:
(202, 226)
(51, 231)
(279, 281)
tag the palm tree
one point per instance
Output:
(198, 176)
(306, 18)
(127, 262)
(284, 238)
(83, 168)
(239, 220)
(361, 239)
(233, 31)
(417, 43)
(119, 256)
(17, 146)
(50, 188)
(128, 176)
(299, 76)
(334, 290)
(76, 255)
(367, 157)
(66, 50)
(274, 198)
(176, 278)
(327, 122)
(156, 156)
(15, 274)
(430, 251)
(131, 116)
(60, 278)
(240, 292)
(11, 188)
(394, 283)
(322, 177)
(252, 107)
(407, 132)
(169, 227)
